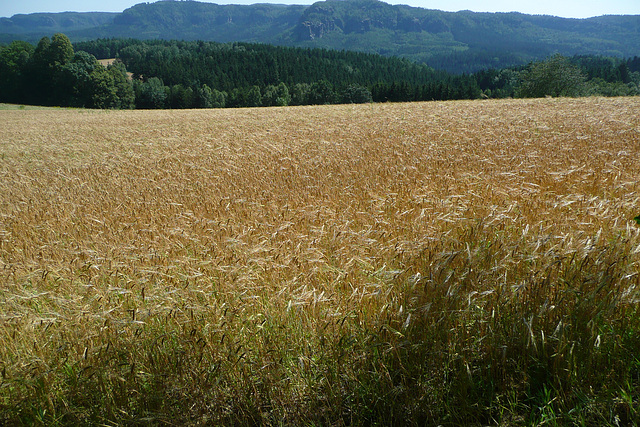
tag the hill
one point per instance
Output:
(459, 42)
(35, 24)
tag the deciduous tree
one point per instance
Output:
(554, 77)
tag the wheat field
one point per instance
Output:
(435, 263)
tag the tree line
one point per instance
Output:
(52, 73)
(197, 74)
(561, 76)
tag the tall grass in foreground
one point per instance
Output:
(423, 264)
(482, 328)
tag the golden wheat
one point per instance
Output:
(122, 232)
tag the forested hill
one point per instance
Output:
(36, 25)
(459, 42)
(198, 74)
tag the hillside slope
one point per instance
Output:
(460, 41)
(44, 23)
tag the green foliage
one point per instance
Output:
(242, 65)
(60, 51)
(356, 94)
(53, 74)
(74, 84)
(276, 95)
(285, 76)
(150, 94)
(253, 97)
(603, 88)
(218, 99)
(124, 88)
(205, 97)
(215, 75)
(556, 76)
(104, 92)
(47, 71)
(41, 49)
(13, 66)
(299, 93)
(180, 97)
(321, 93)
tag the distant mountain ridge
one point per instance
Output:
(44, 23)
(456, 41)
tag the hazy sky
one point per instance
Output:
(564, 8)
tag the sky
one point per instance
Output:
(563, 8)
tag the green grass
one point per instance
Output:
(26, 107)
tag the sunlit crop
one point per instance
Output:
(426, 263)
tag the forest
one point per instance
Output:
(198, 74)
(458, 42)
